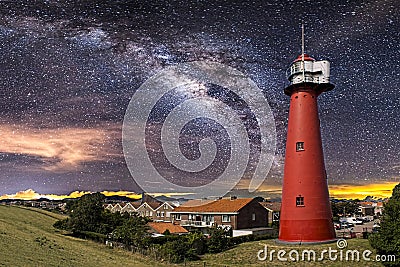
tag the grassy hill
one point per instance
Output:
(27, 238)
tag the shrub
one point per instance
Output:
(177, 251)
(218, 240)
(387, 240)
(62, 224)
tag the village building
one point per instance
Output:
(230, 213)
(153, 209)
(370, 208)
(274, 209)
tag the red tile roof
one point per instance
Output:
(196, 202)
(220, 205)
(161, 227)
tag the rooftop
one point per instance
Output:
(219, 205)
(161, 227)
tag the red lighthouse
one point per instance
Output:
(306, 214)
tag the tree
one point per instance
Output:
(218, 240)
(197, 242)
(133, 232)
(387, 240)
(344, 207)
(177, 251)
(86, 213)
(111, 220)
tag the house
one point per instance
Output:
(274, 209)
(234, 213)
(366, 209)
(116, 208)
(160, 228)
(157, 211)
(371, 208)
(379, 208)
(163, 212)
(130, 207)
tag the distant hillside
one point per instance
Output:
(121, 198)
(27, 238)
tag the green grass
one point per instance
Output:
(27, 238)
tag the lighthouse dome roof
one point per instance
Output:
(306, 58)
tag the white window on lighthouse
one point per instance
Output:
(299, 146)
(299, 201)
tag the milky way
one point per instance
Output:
(69, 70)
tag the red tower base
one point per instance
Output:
(306, 215)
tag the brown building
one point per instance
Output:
(371, 208)
(235, 213)
(274, 209)
(366, 210)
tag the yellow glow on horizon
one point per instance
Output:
(30, 194)
(169, 194)
(343, 191)
(122, 194)
(381, 190)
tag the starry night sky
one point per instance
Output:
(68, 71)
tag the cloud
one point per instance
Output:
(30, 194)
(27, 194)
(60, 149)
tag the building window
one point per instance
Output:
(177, 217)
(299, 201)
(275, 216)
(165, 206)
(226, 218)
(158, 214)
(163, 214)
(208, 219)
(300, 146)
(253, 217)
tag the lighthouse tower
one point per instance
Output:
(306, 215)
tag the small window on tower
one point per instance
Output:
(299, 201)
(300, 146)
